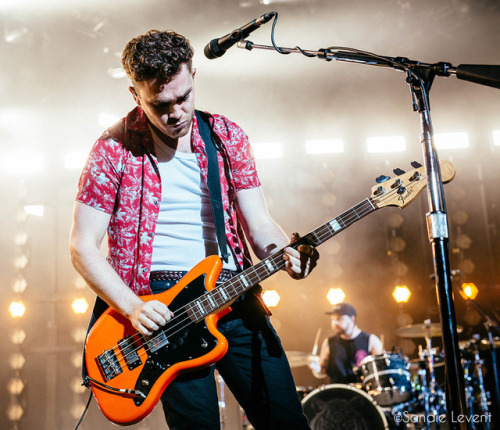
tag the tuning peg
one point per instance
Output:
(398, 171)
(382, 178)
(415, 164)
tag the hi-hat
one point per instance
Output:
(298, 358)
(423, 330)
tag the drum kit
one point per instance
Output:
(394, 392)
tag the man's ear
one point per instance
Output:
(134, 95)
(193, 72)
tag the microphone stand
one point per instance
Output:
(420, 77)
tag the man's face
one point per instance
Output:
(343, 324)
(168, 106)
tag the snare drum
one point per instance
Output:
(387, 379)
(341, 406)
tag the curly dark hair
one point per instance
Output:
(156, 55)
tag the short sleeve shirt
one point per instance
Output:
(121, 178)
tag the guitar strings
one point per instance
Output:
(256, 269)
(322, 233)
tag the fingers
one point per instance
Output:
(150, 316)
(300, 261)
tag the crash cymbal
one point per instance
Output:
(298, 358)
(422, 330)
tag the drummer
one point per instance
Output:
(341, 353)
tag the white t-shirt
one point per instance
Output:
(185, 231)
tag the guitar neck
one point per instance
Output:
(238, 285)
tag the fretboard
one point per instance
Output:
(223, 294)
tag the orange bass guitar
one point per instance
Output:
(128, 372)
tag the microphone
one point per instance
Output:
(217, 47)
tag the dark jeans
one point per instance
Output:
(255, 369)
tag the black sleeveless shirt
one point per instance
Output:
(345, 354)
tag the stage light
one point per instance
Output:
(21, 238)
(271, 298)
(21, 262)
(14, 411)
(463, 241)
(469, 291)
(116, 73)
(451, 140)
(20, 285)
(328, 199)
(335, 296)
(76, 359)
(395, 220)
(401, 294)
(80, 305)
(18, 336)
(325, 146)
(76, 386)
(496, 137)
(77, 409)
(107, 120)
(397, 244)
(15, 386)
(35, 210)
(23, 162)
(17, 309)
(17, 361)
(75, 159)
(79, 334)
(375, 145)
(267, 150)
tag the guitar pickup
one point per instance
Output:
(129, 348)
(109, 365)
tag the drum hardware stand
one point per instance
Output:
(432, 393)
(420, 77)
(490, 325)
(478, 367)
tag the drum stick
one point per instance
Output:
(382, 340)
(315, 347)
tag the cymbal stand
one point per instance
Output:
(491, 325)
(478, 365)
(432, 395)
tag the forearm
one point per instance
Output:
(103, 279)
(267, 240)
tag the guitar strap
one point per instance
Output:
(208, 136)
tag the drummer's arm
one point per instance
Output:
(375, 345)
(318, 366)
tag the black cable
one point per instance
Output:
(85, 411)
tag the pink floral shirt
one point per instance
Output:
(121, 178)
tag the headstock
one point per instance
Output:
(404, 188)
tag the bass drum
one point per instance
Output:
(340, 406)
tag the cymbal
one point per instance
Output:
(298, 358)
(483, 344)
(417, 363)
(422, 330)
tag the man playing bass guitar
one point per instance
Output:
(147, 185)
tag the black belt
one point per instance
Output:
(176, 275)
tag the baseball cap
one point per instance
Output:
(342, 309)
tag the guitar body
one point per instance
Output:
(119, 357)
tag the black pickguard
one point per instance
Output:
(186, 340)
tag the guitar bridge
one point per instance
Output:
(108, 365)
